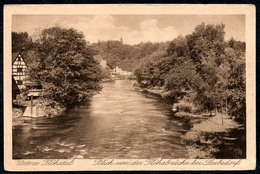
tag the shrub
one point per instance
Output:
(184, 106)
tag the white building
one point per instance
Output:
(119, 71)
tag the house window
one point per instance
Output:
(19, 69)
(19, 82)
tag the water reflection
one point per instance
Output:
(120, 122)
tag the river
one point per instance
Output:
(120, 122)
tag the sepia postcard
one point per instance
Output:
(129, 87)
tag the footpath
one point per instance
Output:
(214, 124)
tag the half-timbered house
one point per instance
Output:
(19, 70)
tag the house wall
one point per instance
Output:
(19, 72)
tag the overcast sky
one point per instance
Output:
(132, 28)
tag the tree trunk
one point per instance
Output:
(226, 107)
(222, 114)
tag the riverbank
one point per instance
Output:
(157, 91)
(212, 139)
(48, 109)
(210, 136)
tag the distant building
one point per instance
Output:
(19, 70)
(119, 71)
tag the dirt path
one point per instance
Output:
(214, 124)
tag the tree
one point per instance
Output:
(231, 42)
(205, 41)
(237, 45)
(21, 41)
(179, 47)
(207, 51)
(65, 66)
(236, 86)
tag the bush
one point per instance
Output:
(184, 106)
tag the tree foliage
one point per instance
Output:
(65, 66)
(203, 66)
(123, 55)
(21, 42)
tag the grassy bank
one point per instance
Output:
(208, 138)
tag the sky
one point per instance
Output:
(132, 28)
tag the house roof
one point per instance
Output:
(15, 55)
(15, 89)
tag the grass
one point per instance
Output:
(210, 139)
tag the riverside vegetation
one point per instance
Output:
(198, 73)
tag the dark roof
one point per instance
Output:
(15, 89)
(15, 55)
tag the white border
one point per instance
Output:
(86, 164)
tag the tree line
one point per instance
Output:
(203, 68)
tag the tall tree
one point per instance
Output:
(207, 51)
(65, 66)
(206, 41)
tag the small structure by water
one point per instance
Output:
(34, 91)
(35, 111)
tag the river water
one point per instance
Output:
(120, 122)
